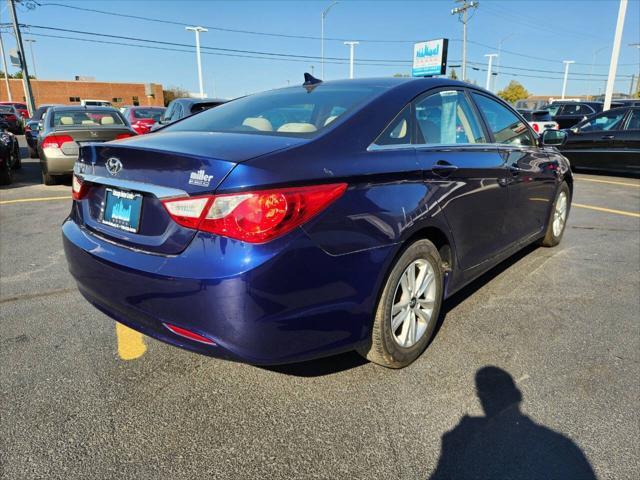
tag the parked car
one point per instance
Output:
(567, 113)
(609, 142)
(531, 104)
(180, 108)
(540, 120)
(9, 154)
(625, 102)
(20, 107)
(312, 220)
(32, 128)
(95, 103)
(65, 129)
(143, 118)
(11, 116)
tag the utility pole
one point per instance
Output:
(633, 81)
(6, 71)
(322, 17)
(615, 53)
(351, 47)
(490, 55)
(31, 41)
(197, 31)
(566, 75)
(463, 17)
(25, 69)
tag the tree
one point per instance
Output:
(453, 75)
(513, 92)
(172, 93)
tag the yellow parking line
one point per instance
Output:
(40, 199)
(130, 343)
(607, 210)
(626, 184)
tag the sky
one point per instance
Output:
(535, 37)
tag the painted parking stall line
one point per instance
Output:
(130, 342)
(38, 199)
(607, 210)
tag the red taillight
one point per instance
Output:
(56, 140)
(254, 217)
(183, 332)
(11, 117)
(78, 188)
(536, 128)
(120, 136)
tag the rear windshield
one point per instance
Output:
(296, 111)
(526, 114)
(6, 108)
(201, 107)
(154, 113)
(80, 118)
(541, 116)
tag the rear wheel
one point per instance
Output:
(48, 179)
(558, 219)
(33, 153)
(17, 160)
(408, 309)
(6, 175)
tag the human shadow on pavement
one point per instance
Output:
(505, 443)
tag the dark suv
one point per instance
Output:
(567, 113)
(185, 107)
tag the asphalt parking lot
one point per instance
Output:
(84, 399)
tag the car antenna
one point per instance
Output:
(310, 82)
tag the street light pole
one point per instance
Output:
(197, 31)
(566, 75)
(322, 17)
(25, 68)
(498, 70)
(351, 47)
(6, 71)
(615, 53)
(30, 41)
(490, 55)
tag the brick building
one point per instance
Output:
(71, 92)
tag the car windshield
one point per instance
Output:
(297, 111)
(153, 113)
(84, 118)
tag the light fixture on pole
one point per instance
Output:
(490, 55)
(322, 17)
(566, 75)
(197, 31)
(351, 47)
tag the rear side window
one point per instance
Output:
(506, 127)
(447, 118)
(398, 132)
(634, 120)
(576, 109)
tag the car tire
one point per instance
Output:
(558, 217)
(48, 179)
(393, 346)
(6, 174)
(17, 160)
(33, 153)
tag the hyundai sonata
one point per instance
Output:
(314, 219)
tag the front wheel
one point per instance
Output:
(558, 218)
(17, 160)
(6, 175)
(408, 309)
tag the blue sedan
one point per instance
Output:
(312, 220)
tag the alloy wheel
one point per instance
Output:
(560, 214)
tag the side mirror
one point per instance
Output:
(554, 137)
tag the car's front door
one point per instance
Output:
(453, 151)
(595, 143)
(531, 176)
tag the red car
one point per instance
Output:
(20, 107)
(142, 118)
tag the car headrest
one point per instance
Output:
(106, 120)
(66, 120)
(297, 128)
(258, 123)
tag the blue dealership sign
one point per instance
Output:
(430, 58)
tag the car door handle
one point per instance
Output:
(442, 168)
(608, 137)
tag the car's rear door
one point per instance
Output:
(452, 150)
(627, 144)
(531, 176)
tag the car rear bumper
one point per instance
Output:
(281, 302)
(57, 163)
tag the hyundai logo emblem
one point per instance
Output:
(114, 165)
